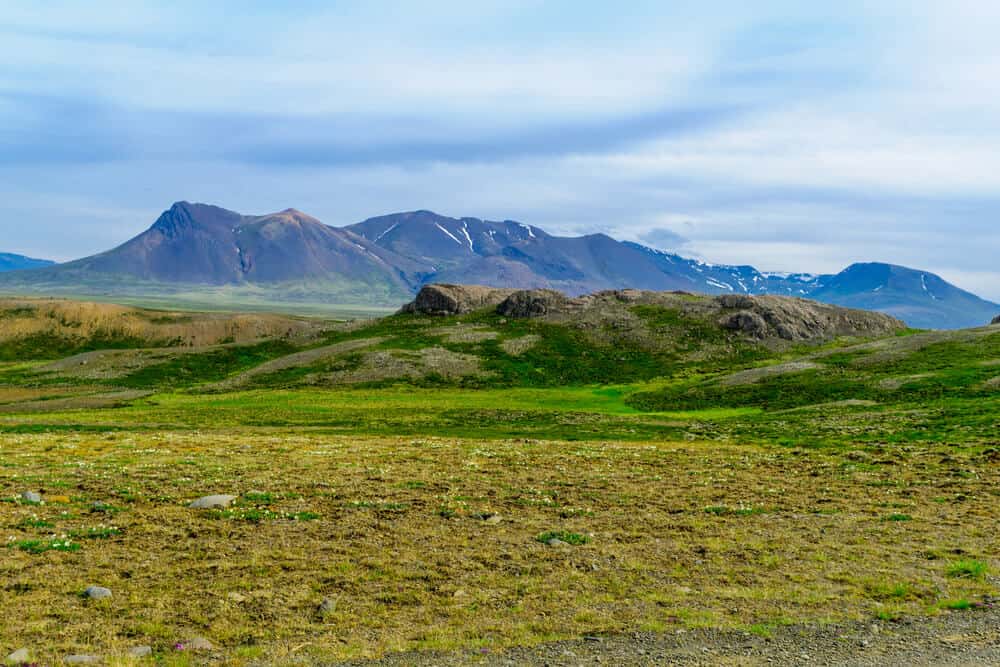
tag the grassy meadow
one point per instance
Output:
(397, 483)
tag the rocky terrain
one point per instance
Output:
(762, 317)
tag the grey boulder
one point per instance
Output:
(18, 656)
(97, 592)
(198, 644)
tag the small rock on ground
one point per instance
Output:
(31, 497)
(198, 644)
(556, 542)
(327, 605)
(140, 651)
(82, 659)
(18, 656)
(219, 501)
(97, 592)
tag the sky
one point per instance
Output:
(793, 136)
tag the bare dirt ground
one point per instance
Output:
(970, 637)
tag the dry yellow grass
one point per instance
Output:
(391, 530)
(24, 317)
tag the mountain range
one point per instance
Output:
(290, 257)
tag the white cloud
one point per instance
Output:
(865, 130)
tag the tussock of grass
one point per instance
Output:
(968, 569)
(574, 539)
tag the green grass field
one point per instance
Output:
(698, 479)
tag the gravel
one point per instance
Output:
(948, 640)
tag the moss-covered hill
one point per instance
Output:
(529, 339)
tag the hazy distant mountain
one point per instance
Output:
(919, 298)
(198, 244)
(12, 262)
(291, 257)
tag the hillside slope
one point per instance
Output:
(450, 336)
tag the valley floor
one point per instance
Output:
(344, 547)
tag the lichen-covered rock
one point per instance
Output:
(740, 301)
(97, 592)
(793, 319)
(531, 303)
(442, 299)
(746, 321)
(21, 655)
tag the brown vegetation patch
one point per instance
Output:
(24, 317)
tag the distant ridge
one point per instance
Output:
(12, 262)
(289, 257)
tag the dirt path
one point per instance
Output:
(952, 639)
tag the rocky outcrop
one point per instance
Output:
(764, 318)
(442, 299)
(531, 303)
(746, 321)
(996, 320)
(794, 319)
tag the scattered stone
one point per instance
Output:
(140, 651)
(82, 659)
(327, 606)
(19, 656)
(236, 597)
(31, 497)
(556, 542)
(97, 592)
(493, 519)
(99, 506)
(220, 501)
(199, 644)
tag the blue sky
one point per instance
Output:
(788, 135)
